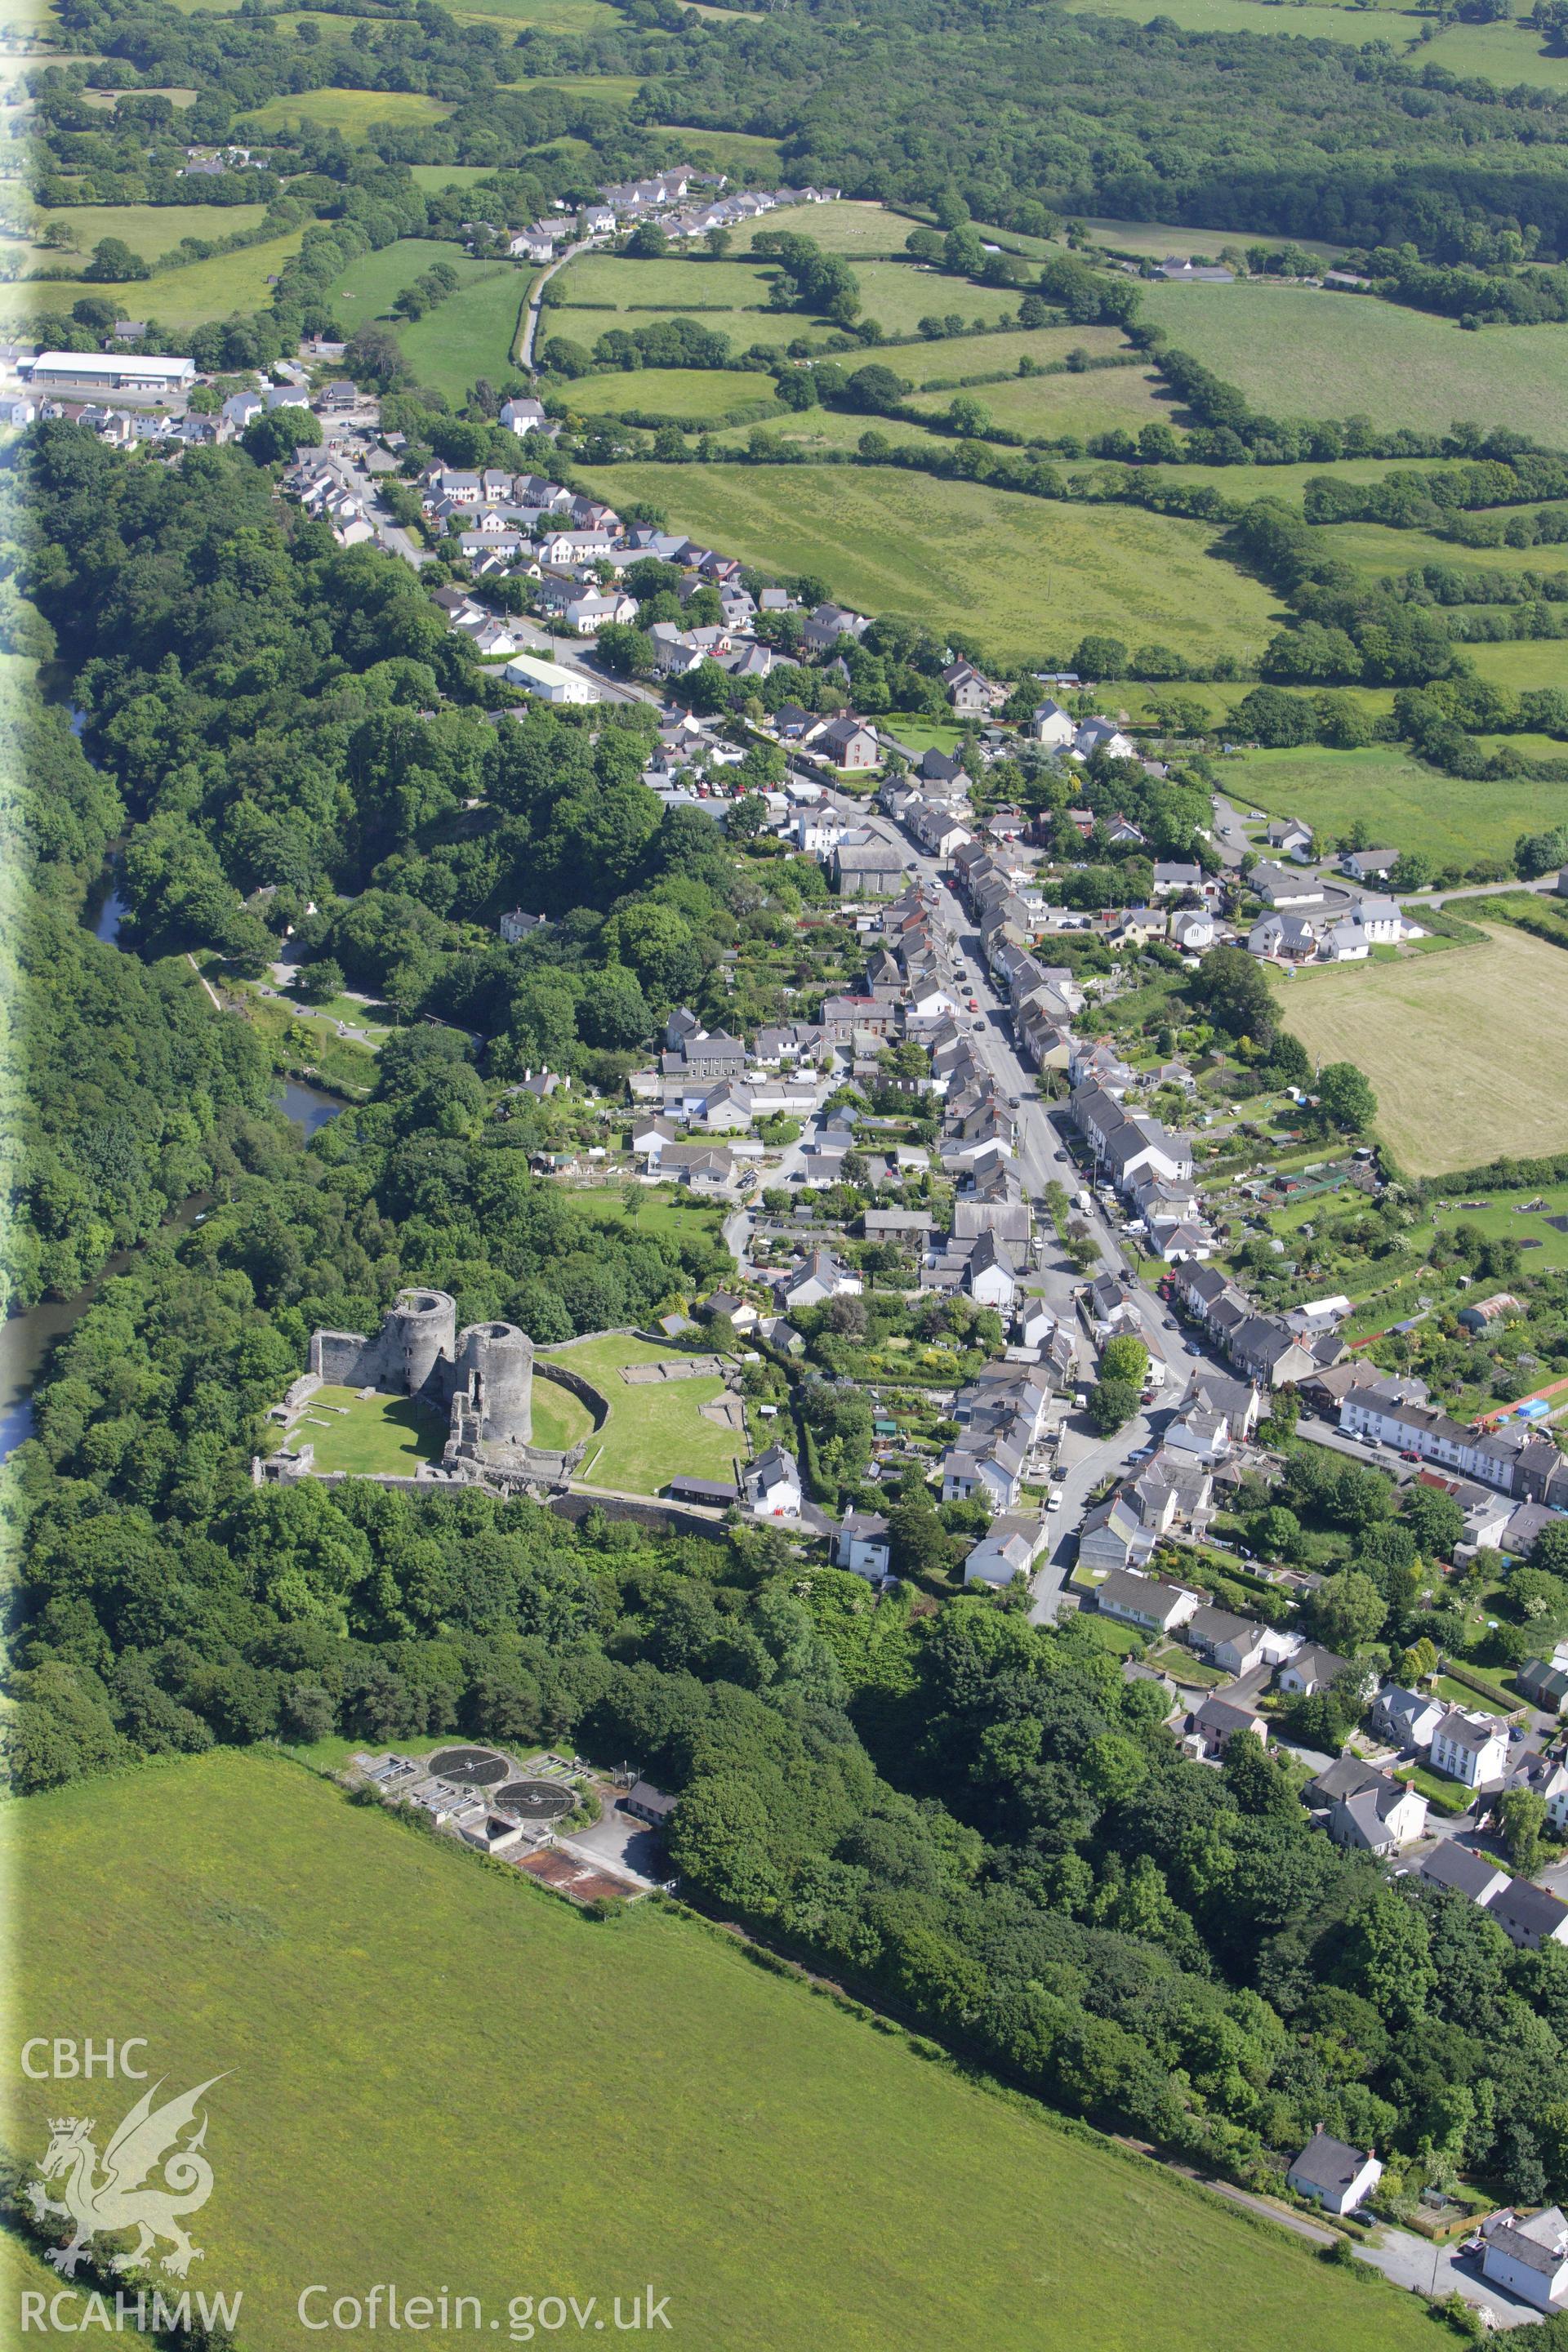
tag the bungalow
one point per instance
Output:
(1147, 1602)
(1369, 865)
(772, 1486)
(1288, 835)
(1278, 886)
(1236, 1644)
(818, 1277)
(1312, 1669)
(1334, 2175)
(1009, 1548)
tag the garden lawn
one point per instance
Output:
(1299, 352)
(1439, 1039)
(660, 1211)
(360, 1435)
(396, 2025)
(655, 1429)
(186, 296)
(150, 230)
(352, 111)
(1101, 400)
(1025, 575)
(1504, 1218)
(469, 336)
(1402, 801)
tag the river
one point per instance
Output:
(26, 1340)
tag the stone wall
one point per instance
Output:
(346, 1359)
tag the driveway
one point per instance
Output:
(619, 1842)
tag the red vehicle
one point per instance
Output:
(974, 1004)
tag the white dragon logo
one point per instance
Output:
(97, 2203)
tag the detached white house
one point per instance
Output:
(771, 1485)
(1470, 1747)
(863, 1545)
(1334, 2175)
(1009, 1548)
(1529, 2258)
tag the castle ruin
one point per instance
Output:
(481, 1378)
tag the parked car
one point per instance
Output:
(1054, 1499)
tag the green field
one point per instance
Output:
(654, 1430)
(352, 111)
(1102, 400)
(368, 287)
(1024, 575)
(955, 356)
(1506, 53)
(1379, 550)
(897, 294)
(432, 176)
(705, 394)
(150, 230)
(568, 17)
(644, 291)
(404, 2036)
(1398, 799)
(1287, 483)
(1522, 662)
(1296, 352)
(365, 1434)
(176, 298)
(813, 429)
(560, 1419)
(1307, 22)
(177, 93)
(1430, 1035)
(729, 150)
(469, 336)
(1166, 240)
(860, 231)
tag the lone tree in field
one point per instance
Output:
(1345, 1100)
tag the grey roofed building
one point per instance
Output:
(1461, 1868)
(649, 1804)
(1529, 1916)
(1335, 2174)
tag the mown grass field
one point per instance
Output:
(814, 429)
(1024, 576)
(150, 230)
(1160, 239)
(954, 356)
(1101, 400)
(565, 17)
(560, 1419)
(366, 1433)
(1378, 549)
(352, 111)
(472, 334)
(176, 298)
(1297, 352)
(1403, 802)
(406, 2036)
(655, 1429)
(368, 287)
(1431, 1035)
(899, 294)
(1523, 664)
(1310, 22)
(860, 232)
(1288, 483)
(1507, 53)
(707, 393)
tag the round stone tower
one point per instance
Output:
(495, 1372)
(418, 1339)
